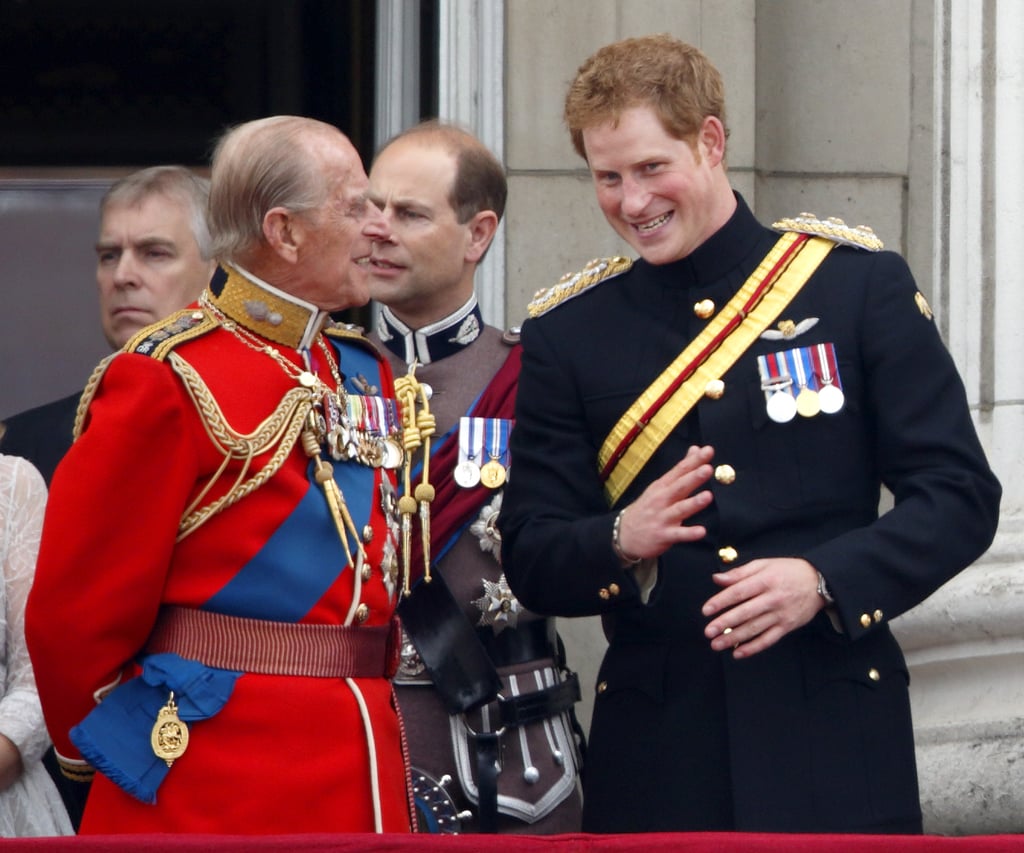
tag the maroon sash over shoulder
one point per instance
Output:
(454, 506)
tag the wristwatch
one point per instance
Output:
(823, 590)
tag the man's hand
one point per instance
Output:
(654, 521)
(763, 601)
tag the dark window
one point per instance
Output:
(137, 82)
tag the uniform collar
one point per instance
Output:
(719, 255)
(264, 309)
(434, 342)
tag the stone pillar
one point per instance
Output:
(965, 645)
(472, 93)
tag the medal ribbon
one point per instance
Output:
(660, 408)
(469, 432)
(825, 365)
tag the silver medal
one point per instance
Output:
(781, 407)
(467, 474)
(831, 399)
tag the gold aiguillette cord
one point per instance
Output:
(418, 427)
(324, 475)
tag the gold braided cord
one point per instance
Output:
(281, 431)
(418, 427)
(90, 391)
(405, 393)
(424, 494)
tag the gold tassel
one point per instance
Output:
(418, 428)
(324, 475)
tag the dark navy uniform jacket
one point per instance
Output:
(43, 434)
(813, 734)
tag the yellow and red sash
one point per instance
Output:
(660, 408)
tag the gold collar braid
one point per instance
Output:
(267, 311)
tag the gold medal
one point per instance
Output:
(492, 474)
(169, 737)
(807, 403)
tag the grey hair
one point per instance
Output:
(176, 182)
(258, 166)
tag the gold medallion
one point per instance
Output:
(169, 736)
(807, 403)
(492, 474)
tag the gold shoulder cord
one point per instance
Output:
(280, 430)
(418, 427)
(90, 391)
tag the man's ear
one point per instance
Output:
(283, 232)
(711, 140)
(482, 228)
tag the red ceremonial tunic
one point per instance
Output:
(286, 753)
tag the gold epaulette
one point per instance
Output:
(155, 341)
(573, 284)
(834, 229)
(159, 339)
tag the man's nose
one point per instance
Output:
(126, 272)
(377, 226)
(634, 197)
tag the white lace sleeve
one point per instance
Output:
(22, 502)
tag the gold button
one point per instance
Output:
(714, 389)
(878, 615)
(865, 620)
(197, 315)
(367, 571)
(367, 533)
(362, 613)
(874, 674)
(604, 593)
(602, 686)
(613, 589)
(725, 474)
(727, 554)
(704, 309)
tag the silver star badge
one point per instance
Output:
(499, 608)
(485, 528)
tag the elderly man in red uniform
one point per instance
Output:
(218, 548)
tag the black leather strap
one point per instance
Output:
(487, 744)
(540, 705)
(452, 652)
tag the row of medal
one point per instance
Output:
(801, 381)
(364, 429)
(483, 452)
